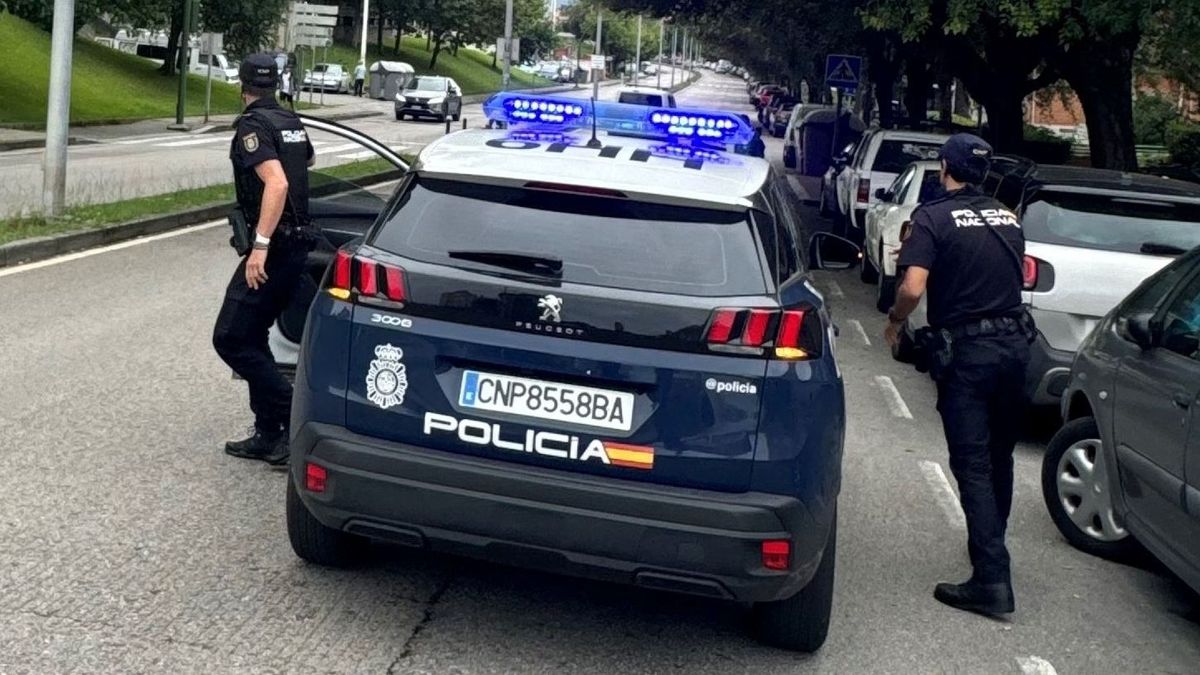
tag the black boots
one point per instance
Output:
(271, 448)
(974, 596)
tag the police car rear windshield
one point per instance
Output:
(601, 241)
(1129, 225)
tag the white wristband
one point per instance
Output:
(259, 239)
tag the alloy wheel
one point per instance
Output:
(1082, 479)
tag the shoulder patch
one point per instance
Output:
(250, 142)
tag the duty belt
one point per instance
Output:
(990, 327)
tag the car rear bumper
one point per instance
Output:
(1049, 373)
(683, 540)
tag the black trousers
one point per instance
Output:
(981, 401)
(358, 87)
(240, 335)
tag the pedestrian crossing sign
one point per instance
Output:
(843, 71)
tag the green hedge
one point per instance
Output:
(1183, 142)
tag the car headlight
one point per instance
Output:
(400, 99)
(437, 101)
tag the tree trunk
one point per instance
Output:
(1103, 80)
(1006, 120)
(399, 33)
(428, 40)
(174, 54)
(916, 94)
(379, 30)
(945, 109)
(437, 49)
(495, 55)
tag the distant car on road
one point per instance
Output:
(792, 140)
(327, 77)
(1124, 470)
(885, 220)
(780, 114)
(658, 98)
(430, 96)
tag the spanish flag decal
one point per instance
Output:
(630, 456)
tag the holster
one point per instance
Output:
(242, 239)
(931, 351)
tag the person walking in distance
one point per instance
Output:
(271, 154)
(360, 76)
(965, 249)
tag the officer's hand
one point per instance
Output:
(892, 333)
(256, 269)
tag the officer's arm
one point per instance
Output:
(908, 296)
(275, 190)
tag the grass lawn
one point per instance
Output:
(102, 215)
(105, 85)
(472, 69)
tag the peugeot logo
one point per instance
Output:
(551, 306)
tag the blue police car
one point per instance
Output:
(584, 344)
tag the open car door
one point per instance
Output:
(349, 187)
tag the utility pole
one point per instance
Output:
(362, 47)
(185, 54)
(58, 109)
(508, 23)
(637, 61)
(662, 25)
(599, 34)
(674, 44)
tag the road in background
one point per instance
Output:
(133, 544)
(117, 167)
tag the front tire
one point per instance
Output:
(801, 622)
(399, 117)
(1075, 487)
(317, 543)
(868, 272)
(886, 295)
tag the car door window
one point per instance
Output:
(1181, 321)
(786, 229)
(899, 187)
(1151, 294)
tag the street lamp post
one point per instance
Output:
(58, 109)
(599, 34)
(362, 47)
(508, 28)
(637, 60)
(674, 44)
(662, 26)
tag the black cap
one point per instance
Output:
(967, 156)
(259, 71)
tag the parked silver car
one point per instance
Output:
(1126, 466)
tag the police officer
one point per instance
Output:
(965, 249)
(271, 154)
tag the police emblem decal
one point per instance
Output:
(551, 306)
(387, 379)
(250, 142)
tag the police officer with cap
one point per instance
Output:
(966, 249)
(271, 154)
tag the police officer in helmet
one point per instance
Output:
(271, 154)
(966, 251)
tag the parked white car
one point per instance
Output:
(878, 158)
(327, 77)
(886, 218)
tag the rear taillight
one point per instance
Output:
(864, 190)
(1037, 275)
(366, 278)
(315, 477)
(765, 332)
(776, 554)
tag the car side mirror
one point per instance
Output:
(830, 252)
(883, 195)
(1140, 329)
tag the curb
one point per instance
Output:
(35, 249)
(40, 143)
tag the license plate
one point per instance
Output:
(553, 401)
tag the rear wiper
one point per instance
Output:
(1155, 248)
(522, 262)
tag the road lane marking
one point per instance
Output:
(835, 291)
(359, 155)
(204, 129)
(1035, 665)
(29, 267)
(143, 139)
(211, 138)
(340, 148)
(895, 402)
(862, 332)
(944, 494)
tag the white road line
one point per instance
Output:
(1035, 665)
(835, 291)
(944, 494)
(862, 333)
(29, 267)
(211, 138)
(203, 129)
(895, 402)
(359, 155)
(339, 148)
(143, 139)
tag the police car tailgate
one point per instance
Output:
(589, 394)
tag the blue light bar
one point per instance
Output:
(546, 113)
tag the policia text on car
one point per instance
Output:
(965, 249)
(271, 154)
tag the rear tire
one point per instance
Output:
(886, 295)
(801, 622)
(399, 117)
(1081, 437)
(868, 272)
(316, 543)
(824, 205)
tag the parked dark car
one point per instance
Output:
(1125, 469)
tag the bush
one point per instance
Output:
(1183, 142)
(1044, 146)
(1152, 114)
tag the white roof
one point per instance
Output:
(639, 168)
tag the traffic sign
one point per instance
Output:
(305, 8)
(314, 20)
(843, 71)
(598, 62)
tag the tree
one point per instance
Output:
(248, 26)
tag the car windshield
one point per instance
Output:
(896, 154)
(428, 84)
(1111, 223)
(617, 243)
(640, 98)
(320, 67)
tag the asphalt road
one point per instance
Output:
(131, 543)
(119, 163)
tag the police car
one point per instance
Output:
(584, 344)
